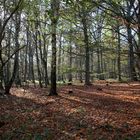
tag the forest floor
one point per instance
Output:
(98, 112)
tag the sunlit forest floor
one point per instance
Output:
(103, 111)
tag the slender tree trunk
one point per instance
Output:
(53, 63)
(1, 78)
(98, 63)
(119, 55)
(1, 60)
(92, 64)
(37, 57)
(59, 59)
(31, 75)
(81, 66)
(18, 78)
(63, 60)
(9, 53)
(26, 55)
(45, 57)
(102, 67)
(70, 58)
(46, 66)
(138, 50)
(45, 61)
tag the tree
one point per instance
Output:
(3, 23)
(84, 21)
(54, 19)
(16, 59)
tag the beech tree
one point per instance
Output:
(54, 19)
(60, 42)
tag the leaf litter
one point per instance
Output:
(85, 114)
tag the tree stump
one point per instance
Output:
(70, 90)
(69, 83)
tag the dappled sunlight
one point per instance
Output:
(69, 69)
(73, 115)
(129, 95)
(27, 94)
(74, 98)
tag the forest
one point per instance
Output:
(69, 69)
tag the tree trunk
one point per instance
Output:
(138, 51)
(54, 20)
(119, 55)
(44, 55)
(98, 63)
(16, 59)
(31, 75)
(70, 58)
(87, 50)
(1, 78)
(26, 55)
(37, 56)
(1, 60)
(59, 59)
(132, 72)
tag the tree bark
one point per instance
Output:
(132, 72)
(59, 59)
(37, 56)
(119, 54)
(54, 20)
(87, 50)
(70, 58)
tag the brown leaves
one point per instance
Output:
(87, 113)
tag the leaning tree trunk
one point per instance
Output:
(16, 59)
